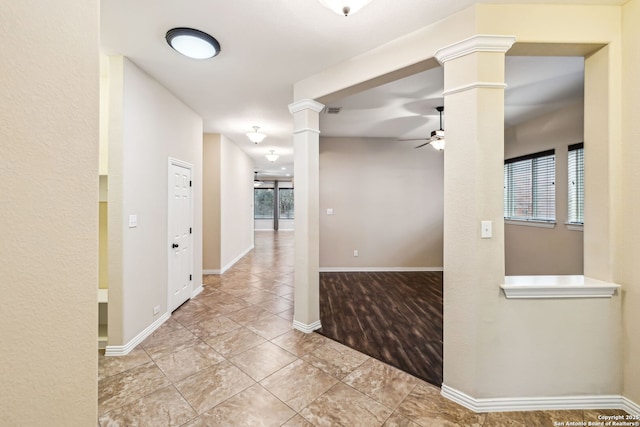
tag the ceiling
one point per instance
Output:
(268, 46)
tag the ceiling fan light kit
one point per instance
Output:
(255, 136)
(344, 7)
(193, 43)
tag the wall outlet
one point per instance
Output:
(355, 252)
(329, 211)
(156, 309)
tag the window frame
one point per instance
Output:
(571, 223)
(509, 207)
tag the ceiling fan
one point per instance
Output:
(437, 136)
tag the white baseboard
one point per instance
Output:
(307, 329)
(631, 407)
(197, 291)
(230, 264)
(123, 350)
(504, 404)
(373, 269)
(210, 271)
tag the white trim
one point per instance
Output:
(530, 223)
(307, 329)
(477, 43)
(365, 269)
(574, 226)
(236, 259)
(476, 85)
(211, 272)
(630, 406)
(303, 130)
(557, 287)
(305, 104)
(197, 291)
(123, 350)
(503, 404)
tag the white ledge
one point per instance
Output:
(557, 287)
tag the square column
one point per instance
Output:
(473, 193)
(306, 148)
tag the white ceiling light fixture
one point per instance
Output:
(193, 43)
(272, 156)
(344, 7)
(255, 136)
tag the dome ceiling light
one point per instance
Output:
(193, 43)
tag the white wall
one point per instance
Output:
(532, 250)
(387, 201)
(49, 208)
(236, 203)
(155, 125)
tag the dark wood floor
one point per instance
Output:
(393, 317)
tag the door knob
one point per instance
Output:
(175, 245)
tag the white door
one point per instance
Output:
(180, 229)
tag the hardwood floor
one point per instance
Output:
(395, 317)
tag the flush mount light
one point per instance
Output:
(255, 136)
(272, 156)
(193, 43)
(344, 7)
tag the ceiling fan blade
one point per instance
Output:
(422, 145)
(415, 139)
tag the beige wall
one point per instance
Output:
(629, 227)
(211, 240)
(49, 209)
(138, 184)
(532, 250)
(526, 348)
(387, 202)
(236, 203)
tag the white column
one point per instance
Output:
(306, 147)
(473, 192)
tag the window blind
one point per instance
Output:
(575, 200)
(529, 187)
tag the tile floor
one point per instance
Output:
(229, 357)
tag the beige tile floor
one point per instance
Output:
(229, 357)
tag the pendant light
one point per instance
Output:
(344, 7)
(255, 136)
(272, 156)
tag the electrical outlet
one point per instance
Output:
(156, 309)
(355, 252)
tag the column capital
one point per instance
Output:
(305, 104)
(477, 43)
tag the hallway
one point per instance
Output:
(229, 357)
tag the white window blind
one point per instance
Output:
(529, 187)
(576, 184)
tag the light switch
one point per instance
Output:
(486, 232)
(133, 221)
(329, 211)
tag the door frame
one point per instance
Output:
(177, 162)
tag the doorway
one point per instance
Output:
(273, 206)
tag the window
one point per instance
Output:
(575, 200)
(529, 187)
(285, 198)
(263, 203)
